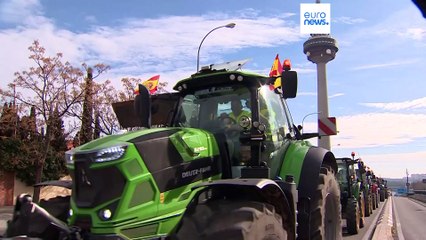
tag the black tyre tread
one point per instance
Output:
(361, 203)
(377, 202)
(327, 187)
(367, 204)
(382, 195)
(222, 219)
(373, 196)
(352, 216)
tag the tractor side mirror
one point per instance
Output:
(289, 84)
(142, 105)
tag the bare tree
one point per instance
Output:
(51, 85)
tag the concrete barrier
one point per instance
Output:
(385, 224)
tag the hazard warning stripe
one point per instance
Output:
(327, 126)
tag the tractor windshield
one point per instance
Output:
(342, 173)
(208, 108)
(220, 111)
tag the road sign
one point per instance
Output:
(327, 126)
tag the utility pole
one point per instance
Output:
(15, 111)
(407, 184)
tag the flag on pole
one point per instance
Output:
(276, 71)
(151, 84)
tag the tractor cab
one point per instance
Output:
(347, 177)
(244, 109)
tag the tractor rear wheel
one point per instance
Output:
(377, 200)
(361, 203)
(374, 200)
(382, 195)
(224, 219)
(367, 204)
(352, 216)
(325, 215)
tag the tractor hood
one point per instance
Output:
(123, 178)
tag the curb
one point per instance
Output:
(371, 230)
(384, 225)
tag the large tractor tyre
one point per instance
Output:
(352, 216)
(374, 200)
(377, 202)
(222, 219)
(370, 202)
(325, 216)
(361, 204)
(382, 195)
(368, 207)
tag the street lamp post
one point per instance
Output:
(307, 116)
(229, 25)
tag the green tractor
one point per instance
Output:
(362, 175)
(383, 189)
(375, 190)
(351, 196)
(195, 171)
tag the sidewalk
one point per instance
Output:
(6, 213)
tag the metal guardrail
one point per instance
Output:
(420, 191)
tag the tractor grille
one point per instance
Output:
(95, 186)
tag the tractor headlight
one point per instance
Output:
(105, 214)
(69, 157)
(109, 154)
(98, 155)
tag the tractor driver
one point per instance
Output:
(237, 111)
(241, 154)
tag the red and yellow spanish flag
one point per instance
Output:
(276, 70)
(151, 84)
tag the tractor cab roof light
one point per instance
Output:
(286, 65)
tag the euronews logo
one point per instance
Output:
(315, 18)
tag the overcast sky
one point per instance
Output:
(376, 84)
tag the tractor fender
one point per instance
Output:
(57, 183)
(315, 158)
(262, 190)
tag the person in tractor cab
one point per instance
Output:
(231, 122)
(237, 111)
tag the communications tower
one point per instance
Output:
(320, 49)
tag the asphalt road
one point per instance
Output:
(6, 214)
(410, 216)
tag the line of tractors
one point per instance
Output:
(220, 158)
(361, 191)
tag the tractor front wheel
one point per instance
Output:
(325, 212)
(352, 216)
(224, 219)
(361, 203)
(368, 205)
(374, 200)
(382, 195)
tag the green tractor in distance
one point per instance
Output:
(375, 190)
(351, 196)
(361, 172)
(383, 192)
(201, 173)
